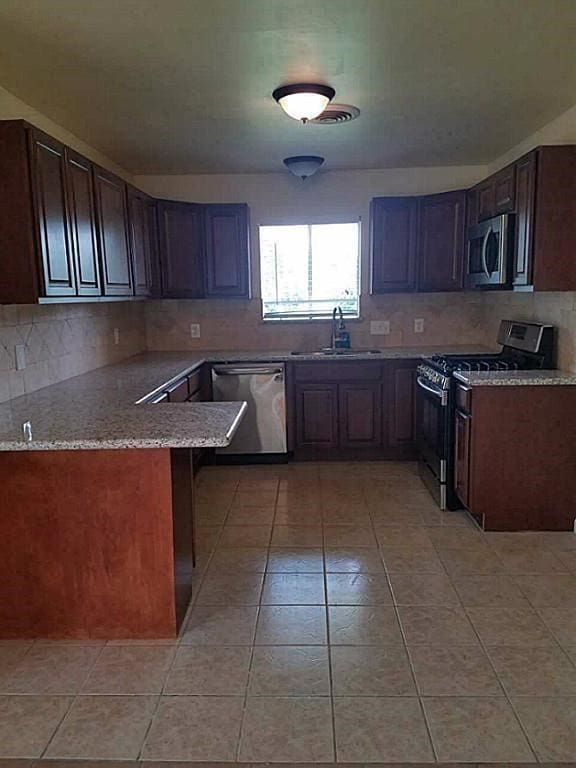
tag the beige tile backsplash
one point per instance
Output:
(64, 340)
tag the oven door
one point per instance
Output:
(433, 426)
(488, 253)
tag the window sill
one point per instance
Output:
(308, 320)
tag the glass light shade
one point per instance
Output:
(303, 165)
(304, 101)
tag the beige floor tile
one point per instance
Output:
(534, 671)
(296, 536)
(371, 671)
(396, 515)
(295, 560)
(292, 625)
(294, 729)
(458, 538)
(551, 727)
(51, 669)
(198, 728)
(209, 513)
(363, 625)
(411, 560)
(380, 729)
(485, 590)
(532, 561)
(352, 514)
(229, 588)
(251, 515)
(293, 670)
(220, 625)
(467, 562)
(10, 655)
(423, 589)
(213, 670)
(568, 560)
(450, 519)
(28, 722)
(562, 623)
(514, 626)
(541, 591)
(350, 560)
(293, 589)
(250, 559)
(130, 669)
(397, 536)
(453, 670)
(254, 498)
(103, 727)
(436, 626)
(476, 729)
(298, 513)
(358, 589)
(206, 537)
(349, 536)
(552, 540)
(245, 536)
(254, 484)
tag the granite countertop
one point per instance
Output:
(110, 408)
(517, 378)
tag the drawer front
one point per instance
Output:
(345, 370)
(463, 398)
(178, 393)
(194, 382)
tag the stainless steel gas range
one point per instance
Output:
(525, 346)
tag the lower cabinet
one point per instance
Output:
(316, 415)
(360, 414)
(462, 456)
(399, 397)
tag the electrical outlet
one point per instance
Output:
(20, 352)
(116, 336)
(419, 325)
(194, 330)
(380, 327)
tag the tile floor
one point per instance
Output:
(337, 616)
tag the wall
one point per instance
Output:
(62, 341)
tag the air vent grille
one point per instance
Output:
(337, 113)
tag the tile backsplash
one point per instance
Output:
(64, 340)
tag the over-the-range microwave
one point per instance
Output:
(489, 253)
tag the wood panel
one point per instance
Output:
(227, 251)
(89, 543)
(181, 249)
(83, 225)
(525, 196)
(317, 415)
(183, 528)
(360, 415)
(441, 241)
(140, 247)
(393, 234)
(400, 405)
(462, 430)
(338, 370)
(113, 233)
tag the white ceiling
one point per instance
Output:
(183, 86)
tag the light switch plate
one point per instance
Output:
(20, 352)
(419, 325)
(194, 330)
(380, 327)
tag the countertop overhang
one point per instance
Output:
(516, 378)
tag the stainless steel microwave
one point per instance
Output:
(489, 253)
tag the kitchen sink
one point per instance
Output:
(331, 352)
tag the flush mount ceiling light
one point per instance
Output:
(304, 101)
(303, 165)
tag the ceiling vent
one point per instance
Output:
(336, 113)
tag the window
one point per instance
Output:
(308, 269)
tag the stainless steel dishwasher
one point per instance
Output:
(262, 386)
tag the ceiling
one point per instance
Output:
(183, 86)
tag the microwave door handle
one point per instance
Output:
(484, 249)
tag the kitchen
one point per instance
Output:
(165, 597)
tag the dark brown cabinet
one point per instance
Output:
(360, 414)
(316, 415)
(393, 234)
(525, 189)
(227, 259)
(83, 227)
(496, 195)
(462, 456)
(441, 241)
(400, 404)
(112, 211)
(181, 249)
(140, 241)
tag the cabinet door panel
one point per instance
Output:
(139, 242)
(462, 457)
(393, 244)
(181, 250)
(400, 403)
(227, 251)
(113, 233)
(486, 200)
(504, 190)
(83, 226)
(155, 277)
(360, 415)
(50, 199)
(317, 415)
(525, 190)
(441, 241)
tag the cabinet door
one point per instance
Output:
(472, 207)
(525, 190)
(393, 223)
(399, 404)
(441, 241)
(505, 190)
(462, 457)
(113, 234)
(152, 218)
(139, 242)
(83, 227)
(360, 414)
(50, 204)
(317, 415)
(227, 252)
(181, 249)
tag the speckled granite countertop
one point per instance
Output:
(107, 408)
(517, 378)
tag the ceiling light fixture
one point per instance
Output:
(303, 165)
(304, 101)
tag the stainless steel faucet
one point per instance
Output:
(340, 337)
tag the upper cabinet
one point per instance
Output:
(180, 228)
(112, 210)
(140, 241)
(227, 251)
(497, 194)
(417, 243)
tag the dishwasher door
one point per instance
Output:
(263, 428)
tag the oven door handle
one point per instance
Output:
(441, 394)
(484, 249)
